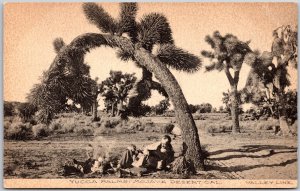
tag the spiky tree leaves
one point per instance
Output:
(58, 44)
(127, 23)
(178, 59)
(99, 17)
(154, 28)
(228, 53)
(286, 43)
(65, 79)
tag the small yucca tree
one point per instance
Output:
(135, 40)
(228, 54)
(116, 89)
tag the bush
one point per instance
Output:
(110, 122)
(68, 125)
(55, 125)
(150, 127)
(294, 128)
(214, 128)
(17, 131)
(221, 127)
(199, 117)
(267, 125)
(8, 108)
(96, 124)
(87, 130)
(167, 128)
(136, 125)
(40, 130)
(103, 131)
(6, 125)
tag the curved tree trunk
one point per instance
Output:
(235, 110)
(83, 43)
(183, 115)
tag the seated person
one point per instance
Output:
(159, 155)
(156, 156)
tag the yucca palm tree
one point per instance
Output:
(60, 83)
(116, 89)
(271, 75)
(228, 53)
(153, 29)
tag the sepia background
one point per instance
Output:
(30, 28)
(258, 151)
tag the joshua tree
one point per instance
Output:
(269, 71)
(60, 83)
(153, 29)
(228, 53)
(116, 88)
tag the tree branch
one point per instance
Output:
(229, 77)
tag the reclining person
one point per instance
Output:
(156, 156)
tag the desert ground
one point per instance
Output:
(255, 153)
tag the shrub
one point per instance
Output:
(167, 128)
(40, 130)
(267, 125)
(150, 127)
(199, 117)
(102, 131)
(109, 122)
(87, 130)
(220, 127)
(7, 125)
(55, 125)
(8, 108)
(68, 125)
(137, 125)
(294, 128)
(214, 128)
(17, 131)
(96, 124)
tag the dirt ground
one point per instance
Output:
(249, 155)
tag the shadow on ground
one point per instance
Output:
(247, 152)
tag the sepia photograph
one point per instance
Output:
(150, 95)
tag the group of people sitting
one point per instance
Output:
(155, 157)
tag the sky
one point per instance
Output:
(30, 28)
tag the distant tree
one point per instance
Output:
(204, 108)
(26, 111)
(228, 53)
(162, 107)
(269, 71)
(115, 90)
(8, 108)
(193, 108)
(221, 109)
(214, 110)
